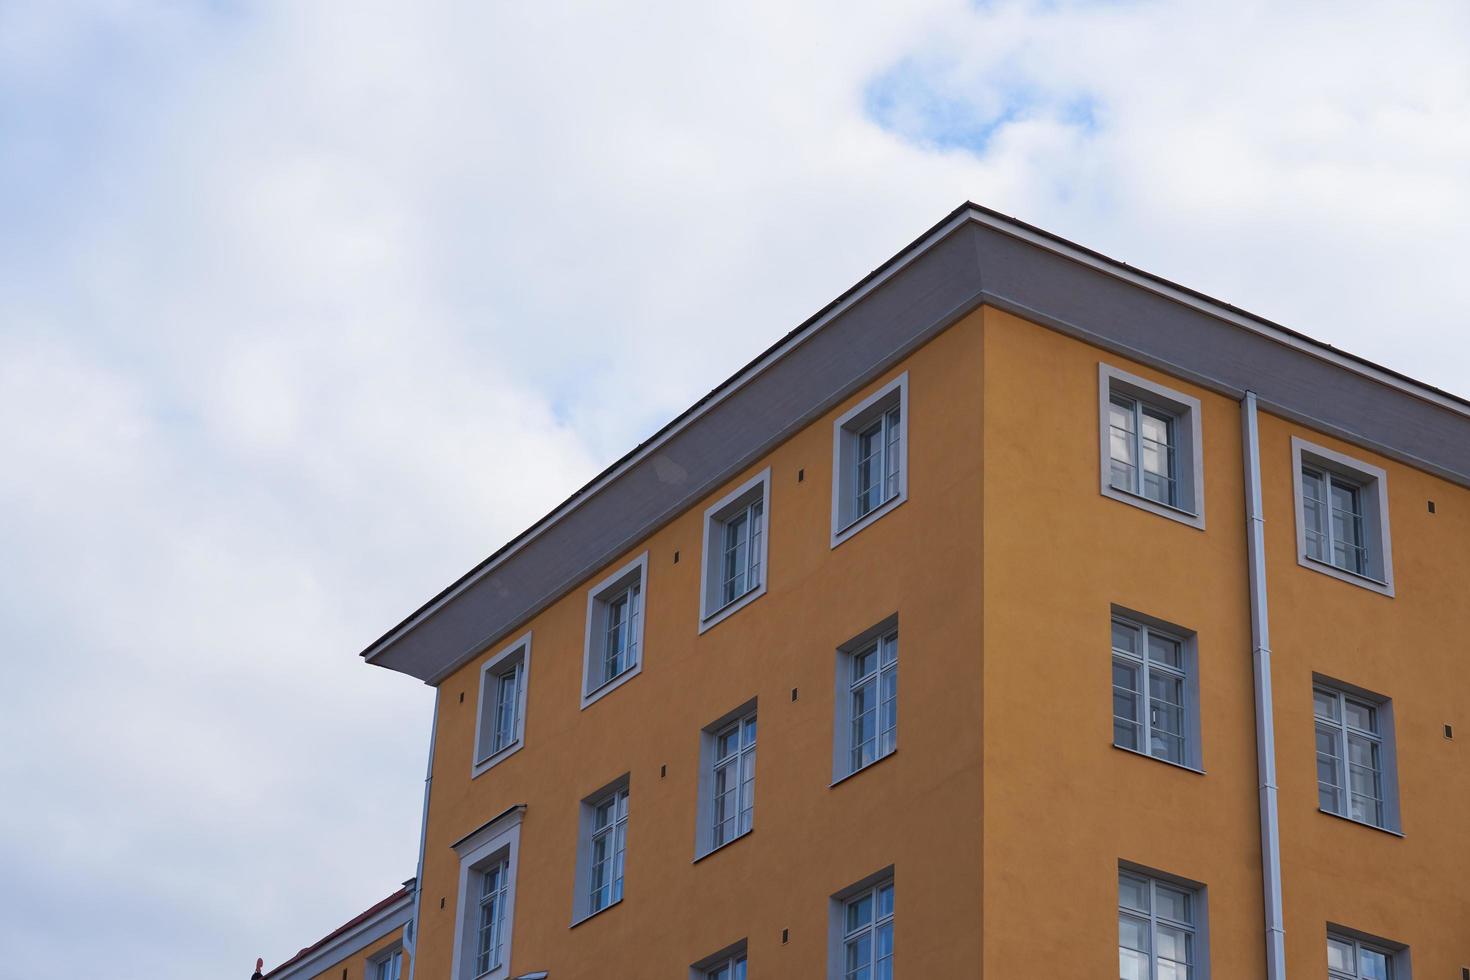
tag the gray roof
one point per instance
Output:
(974, 256)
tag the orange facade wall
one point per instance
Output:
(918, 809)
(1006, 810)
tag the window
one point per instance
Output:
(1158, 925)
(483, 926)
(1155, 690)
(500, 724)
(609, 842)
(727, 964)
(614, 638)
(727, 780)
(867, 700)
(870, 459)
(388, 966)
(734, 571)
(1351, 956)
(1342, 517)
(600, 853)
(732, 969)
(490, 938)
(867, 936)
(1354, 755)
(1150, 446)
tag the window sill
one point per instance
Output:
(598, 693)
(842, 779)
(1154, 507)
(1362, 823)
(1168, 762)
(740, 836)
(1343, 575)
(732, 607)
(593, 915)
(841, 534)
(482, 766)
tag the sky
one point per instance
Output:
(306, 307)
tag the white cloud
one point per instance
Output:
(306, 308)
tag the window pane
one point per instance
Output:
(885, 901)
(1163, 650)
(859, 913)
(1372, 965)
(1173, 944)
(1133, 933)
(1325, 704)
(1172, 904)
(1156, 441)
(1362, 752)
(1131, 965)
(1125, 637)
(1122, 441)
(1339, 955)
(1361, 716)
(883, 968)
(1133, 893)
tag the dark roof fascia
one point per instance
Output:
(955, 219)
(987, 273)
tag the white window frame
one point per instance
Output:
(707, 839)
(837, 932)
(1340, 731)
(1198, 927)
(1371, 482)
(599, 599)
(495, 843)
(515, 657)
(589, 834)
(1193, 755)
(843, 687)
(1400, 966)
(726, 959)
(846, 520)
(755, 492)
(382, 957)
(1189, 471)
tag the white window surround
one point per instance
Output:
(1199, 913)
(726, 959)
(1387, 748)
(842, 704)
(487, 754)
(587, 833)
(1353, 942)
(1188, 641)
(1372, 484)
(717, 518)
(496, 842)
(704, 831)
(635, 573)
(846, 521)
(837, 918)
(385, 958)
(1189, 475)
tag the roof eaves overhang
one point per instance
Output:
(974, 256)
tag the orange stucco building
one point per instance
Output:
(1081, 618)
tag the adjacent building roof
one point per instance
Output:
(974, 256)
(357, 933)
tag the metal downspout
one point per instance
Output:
(1265, 711)
(418, 884)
